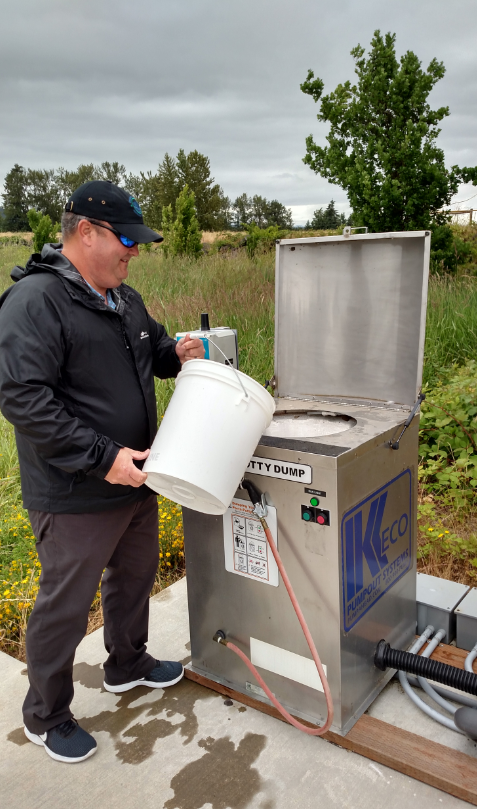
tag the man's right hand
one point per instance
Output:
(124, 472)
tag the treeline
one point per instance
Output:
(328, 219)
(47, 190)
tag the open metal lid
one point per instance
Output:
(350, 317)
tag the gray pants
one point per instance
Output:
(74, 550)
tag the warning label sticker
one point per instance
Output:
(247, 552)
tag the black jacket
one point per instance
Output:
(77, 382)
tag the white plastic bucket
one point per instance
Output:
(209, 432)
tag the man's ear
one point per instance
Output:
(85, 231)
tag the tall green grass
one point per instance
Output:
(237, 292)
(451, 330)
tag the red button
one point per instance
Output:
(320, 519)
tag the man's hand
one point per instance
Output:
(190, 349)
(123, 470)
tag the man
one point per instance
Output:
(78, 356)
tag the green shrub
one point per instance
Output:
(448, 436)
(262, 240)
(44, 230)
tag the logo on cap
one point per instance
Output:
(135, 205)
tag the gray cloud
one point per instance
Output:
(115, 80)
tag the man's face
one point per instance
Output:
(109, 257)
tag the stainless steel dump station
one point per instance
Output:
(349, 339)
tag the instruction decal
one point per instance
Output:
(375, 547)
(247, 552)
(284, 470)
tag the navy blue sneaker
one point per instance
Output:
(163, 674)
(65, 742)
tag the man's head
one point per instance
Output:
(102, 201)
(101, 228)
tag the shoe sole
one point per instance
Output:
(120, 689)
(33, 737)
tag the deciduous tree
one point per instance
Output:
(382, 139)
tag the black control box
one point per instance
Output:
(316, 515)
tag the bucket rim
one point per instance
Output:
(219, 371)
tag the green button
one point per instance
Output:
(306, 515)
(314, 501)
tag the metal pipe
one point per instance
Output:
(443, 720)
(427, 709)
(468, 665)
(455, 696)
(427, 687)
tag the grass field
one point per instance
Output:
(239, 292)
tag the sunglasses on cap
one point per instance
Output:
(123, 239)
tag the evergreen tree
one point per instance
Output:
(382, 140)
(328, 219)
(15, 205)
(211, 204)
(182, 236)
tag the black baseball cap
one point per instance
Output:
(101, 199)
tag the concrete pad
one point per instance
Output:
(183, 748)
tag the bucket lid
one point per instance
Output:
(350, 317)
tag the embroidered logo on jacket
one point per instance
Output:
(144, 334)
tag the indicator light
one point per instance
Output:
(314, 501)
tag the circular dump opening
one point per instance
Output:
(308, 424)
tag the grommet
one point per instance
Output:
(90, 199)
(103, 202)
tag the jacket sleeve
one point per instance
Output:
(165, 362)
(32, 354)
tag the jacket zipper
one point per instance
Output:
(124, 337)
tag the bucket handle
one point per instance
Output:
(230, 366)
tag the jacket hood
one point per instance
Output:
(52, 260)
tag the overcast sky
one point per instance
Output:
(119, 80)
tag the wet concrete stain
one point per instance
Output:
(89, 676)
(223, 777)
(18, 737)
(242, 709)
(178, 701)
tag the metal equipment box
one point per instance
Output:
(436, 601)
(349, 336)
(466, 620)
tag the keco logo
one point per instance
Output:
(375, 546)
